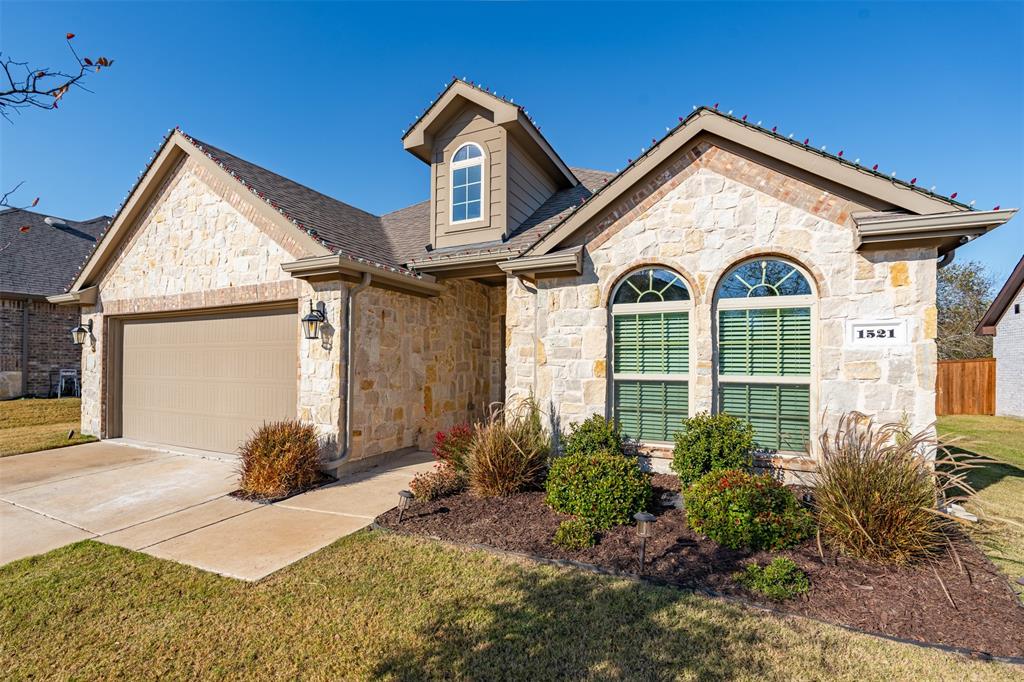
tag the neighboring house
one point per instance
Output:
(1005, 321)
(39, 257)
(725, 268)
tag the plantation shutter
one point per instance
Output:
(651, 360)
(652, 343)
(651, 410)
(767, 343)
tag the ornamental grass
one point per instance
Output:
(510, 452)
(280, 459)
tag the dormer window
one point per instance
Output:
(467, 183)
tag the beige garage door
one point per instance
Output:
(206, 381)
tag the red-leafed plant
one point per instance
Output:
(451, 446)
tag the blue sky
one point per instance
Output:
(321, 92)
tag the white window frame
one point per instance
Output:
(456, 165)
(657, 307)
(809, 301)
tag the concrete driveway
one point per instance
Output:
(176, 506)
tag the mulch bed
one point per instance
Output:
(903, 602)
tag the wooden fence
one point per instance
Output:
(966, 387)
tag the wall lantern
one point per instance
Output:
(80, 333)
(312, 321)
(644, 530)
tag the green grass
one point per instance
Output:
(1000, 500)
(375, 606)
(31, 425)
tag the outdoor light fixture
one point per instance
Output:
(311, 322)
(644, 530)
(80, 333)
(404, 499)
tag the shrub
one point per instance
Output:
(781, 579)
(575, 534)
(441, 481)
(452, 446)
(596, 434)
(742, 510)
(509, 453)
(279, 459)
(604, 488)
(712, 443)
(878, 491)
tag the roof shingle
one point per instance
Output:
(44, 259)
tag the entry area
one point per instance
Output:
(205, 381)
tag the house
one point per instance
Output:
(1005, 321)
(727, 267)
(39, 257)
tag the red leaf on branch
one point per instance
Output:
(24, 228)
(70, 36)
(35, 201)
(87, 61)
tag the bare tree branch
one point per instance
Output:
(24, 86)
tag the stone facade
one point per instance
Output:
(708, 210)
(1008, 349)
(46, 329)
(421, 364)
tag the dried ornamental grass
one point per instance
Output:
(881, 489)
(279, 459)
(509, 453)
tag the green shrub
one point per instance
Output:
(741, 510)
(509, 452)
(712, 443)
(441, 481)
(575, 534)
(451, 447)
(604, 488)
(877, 490)
(781, 579)
(279, 459)
(596, 434)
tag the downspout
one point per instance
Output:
(349, 372)
(946, 259)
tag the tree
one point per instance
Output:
(43, 87)
(964, 294)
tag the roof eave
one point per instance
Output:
(990, 320)
(336, 266)
(80, 297)
(946, 231)
(557, 263)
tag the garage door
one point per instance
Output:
(207, 381)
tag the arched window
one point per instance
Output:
(467, 183)
(650, 374)
(764, 351)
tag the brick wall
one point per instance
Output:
(1008, 348)
(49, 343)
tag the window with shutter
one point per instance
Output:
(764, 352)
(650, 354)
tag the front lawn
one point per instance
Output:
(375, 606)
(29, 425)
(1000, 486)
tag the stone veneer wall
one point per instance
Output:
(49, 346)
(708, 210)
(421, 364)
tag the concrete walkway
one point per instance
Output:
(176, 506)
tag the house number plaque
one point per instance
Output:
(864, 333)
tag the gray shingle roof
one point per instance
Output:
(397, 238)
(43, 260)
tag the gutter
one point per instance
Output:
(350, 299)
(333, 265)
(564, 262)
(462, 261)
(86, 296)
(955, 226)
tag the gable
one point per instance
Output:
(194, 236)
